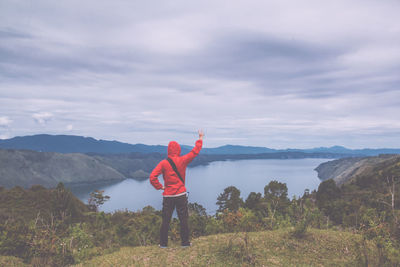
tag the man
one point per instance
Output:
(173, 170)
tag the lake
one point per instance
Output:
(205, 183)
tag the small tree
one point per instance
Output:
(198, 219)
(328, 200)
(196, 209)
(63, 207)
(391, 192)
(253, 201)
(276, 197)
(97, 199)
(327, 191)
(229, 199)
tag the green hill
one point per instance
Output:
(267, 248)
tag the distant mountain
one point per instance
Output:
(76, 144)
(232, 149)
(333, 149)
(365, 151)
(80, 144)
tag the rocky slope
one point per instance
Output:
(345, 169)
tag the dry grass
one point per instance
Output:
(269, 248)
(11, 261)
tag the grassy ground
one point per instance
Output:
(11, 261)
(269, 248)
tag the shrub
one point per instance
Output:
(300, 229)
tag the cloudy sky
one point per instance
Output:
(279, 74)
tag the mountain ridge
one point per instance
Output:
(81, 144)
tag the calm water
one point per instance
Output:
(205, 183)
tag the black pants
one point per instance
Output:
(169, 203)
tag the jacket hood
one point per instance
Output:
(174, 149)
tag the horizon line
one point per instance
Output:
(278, 149)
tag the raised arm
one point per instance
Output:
(196, 150)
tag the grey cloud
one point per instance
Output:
(264, 58)
(260, 81)
(5, 121)
(42, 117)
(35, 64)
(287, 66)
(9, 34)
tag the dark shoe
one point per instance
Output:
(187, 245)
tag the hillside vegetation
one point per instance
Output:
(267, 248)
(20, 204)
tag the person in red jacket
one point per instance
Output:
(174, 194)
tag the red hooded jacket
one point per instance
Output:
(173, 185)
